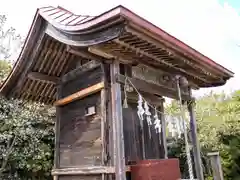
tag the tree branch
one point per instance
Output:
(10, 147)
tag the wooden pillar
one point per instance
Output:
(216, 165)
(104, 119)
(163, 131)
(57, 135)
(195, 143)
(117, 121)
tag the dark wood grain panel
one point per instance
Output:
(80, 135)
(82, 81)
(133, 138)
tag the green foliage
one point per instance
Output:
(26, 139)
(218, 130)
(26, 128)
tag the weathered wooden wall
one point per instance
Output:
(158, 77)
(80, 135)
(80, 140)
(82, 81)
(134, 141)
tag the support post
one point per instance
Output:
(57, 135)
(216, 165)
(163, 131)
(195, 143)
(103, 126)
(117, 121)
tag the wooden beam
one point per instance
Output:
(80, 94)
(100, 53)
(43, 77)
(139, 51)
(176, 52)
(133, 97)
(160, 90)
(163, 133)
(86, 170)
(85, 54)
(104, 125)
(135, 62)
(80, 70)
(96, 49)
(57, 134)
(117, 121)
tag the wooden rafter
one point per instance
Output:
(43, 77)
(157, 44)
(137, 61)
(33, 56)
(138, 58)
(137, 50)
(98, 51)
(87, 54)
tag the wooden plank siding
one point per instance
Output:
(82, 81)
(80, 135)
(87, 141)
(133, 140)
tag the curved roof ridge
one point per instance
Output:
(62, 18)
(68, 24)
(60, 7)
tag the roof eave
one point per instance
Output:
(153, 30)
(132, 18)
(6, 86)
(170, 41)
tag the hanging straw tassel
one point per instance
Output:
(157, 122)
(140, 111)
(148, 117)
(148, 114)
(125, 103)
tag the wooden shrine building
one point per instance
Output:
(80, 64)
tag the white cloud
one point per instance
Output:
(206, 25)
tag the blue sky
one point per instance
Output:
(234, 3)
(210, 26)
